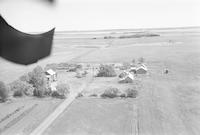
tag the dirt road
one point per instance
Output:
(48, 121)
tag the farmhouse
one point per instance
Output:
(51, 76)
(127, 78)
(133, 70)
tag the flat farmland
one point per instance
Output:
(89, 116)
(166, 104)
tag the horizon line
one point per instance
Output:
(115, 29)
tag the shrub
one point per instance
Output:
(62, 91)
(131, 93)
(79, 95)
(93, 95)
(21, 88)
(25, 78)
(110, 93)
(39, 92)
(106, 71)
(18, 93)
(123, 95)
(56, 94)
(3, 92)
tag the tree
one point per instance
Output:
(133, 61)
(106, 71)
(3, 91)
(141, 60)
(39, 82)
(37, 77)
(21, 88)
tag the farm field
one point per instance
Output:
(89, 116)
(22, 115)
(166, 103)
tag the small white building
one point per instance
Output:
(51, 76)
(128, 78)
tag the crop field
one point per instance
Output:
(166, 103)
(96, 116)
(22, 116)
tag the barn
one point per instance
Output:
(141, 69)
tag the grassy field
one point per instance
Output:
(89, 116)
(167, 103)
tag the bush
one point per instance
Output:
(123, 95)
(62, 91)
(25, 78)
(39, 92)
(106, 71)
(18, 93)
(110, 93)
(21, 88)
(79, 95)
(93, 95)
(131, 93)
(3, 92)
(56, 94)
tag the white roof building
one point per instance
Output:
(128, 78)
(50, 72)
(142, 69)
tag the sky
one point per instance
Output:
(68, 15)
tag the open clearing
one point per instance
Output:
(167, 103)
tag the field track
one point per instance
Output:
(47, 122)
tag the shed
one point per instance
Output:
(127, 79)
(51, 75)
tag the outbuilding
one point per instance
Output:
(142, 69)
(127, 79)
